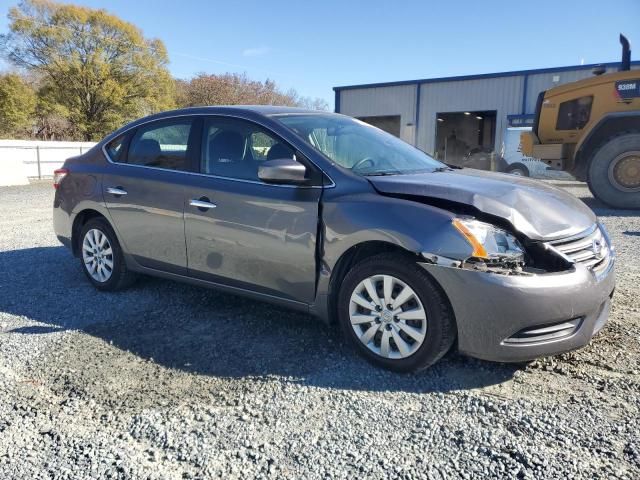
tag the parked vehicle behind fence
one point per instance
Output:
(325, 214)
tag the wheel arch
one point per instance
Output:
(78, 222)
(609, 126)
(360, 252)
(351, 257)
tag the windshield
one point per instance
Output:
(355, 145)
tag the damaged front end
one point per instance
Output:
(495, 244)
(496, 250)
(493, 249)
(551, 299)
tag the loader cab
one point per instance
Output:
(579, 125)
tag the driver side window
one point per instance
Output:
(234, 148)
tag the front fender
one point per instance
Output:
(413, 226)
(351, 220)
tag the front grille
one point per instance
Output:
(589, 249)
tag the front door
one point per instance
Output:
(144, 192)
(241, 231)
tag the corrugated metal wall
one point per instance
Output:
(396, 100)
(501, 94)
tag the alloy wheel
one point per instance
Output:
(97, 255)
(387, 316)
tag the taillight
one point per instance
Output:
(58, 175)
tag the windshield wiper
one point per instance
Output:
(383, 173)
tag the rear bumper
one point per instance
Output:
(518, 318)
(62, 220)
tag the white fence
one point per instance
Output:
(35, 159)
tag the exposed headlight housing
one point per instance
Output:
(490, 243)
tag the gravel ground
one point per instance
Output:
(172, 381)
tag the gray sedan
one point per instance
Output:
(323, 213)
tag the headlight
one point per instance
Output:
(488, 241)
(607, 237)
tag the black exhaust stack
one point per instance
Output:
(625, 64)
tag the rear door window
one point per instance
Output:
(162, 145)
(115, 148)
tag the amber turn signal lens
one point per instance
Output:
(478, 249)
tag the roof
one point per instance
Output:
(260, 109)
(482, 76)
(249, 111)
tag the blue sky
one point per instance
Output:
(313, 46)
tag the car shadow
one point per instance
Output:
(207, 332)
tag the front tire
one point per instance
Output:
(395, 314)
(614, 172)
(101, 257)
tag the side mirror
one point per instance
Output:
(282, 170)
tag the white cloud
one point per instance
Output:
(255, 52)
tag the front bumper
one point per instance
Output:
(493, 310)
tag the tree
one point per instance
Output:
(313, 103)
(236, 89)
(230, 89)
(17, 104)
(52, 119)
(99, 68)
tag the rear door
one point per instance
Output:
(247, 233)
(144, 191)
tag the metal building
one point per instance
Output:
(454, 116)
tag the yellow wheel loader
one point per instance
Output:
(591, 129)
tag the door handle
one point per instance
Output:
(203, 204)
(118, 191)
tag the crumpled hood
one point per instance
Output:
(536, 209)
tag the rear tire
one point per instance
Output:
(409, 345)
(101, 256)
(613, 174)
(518, 169)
